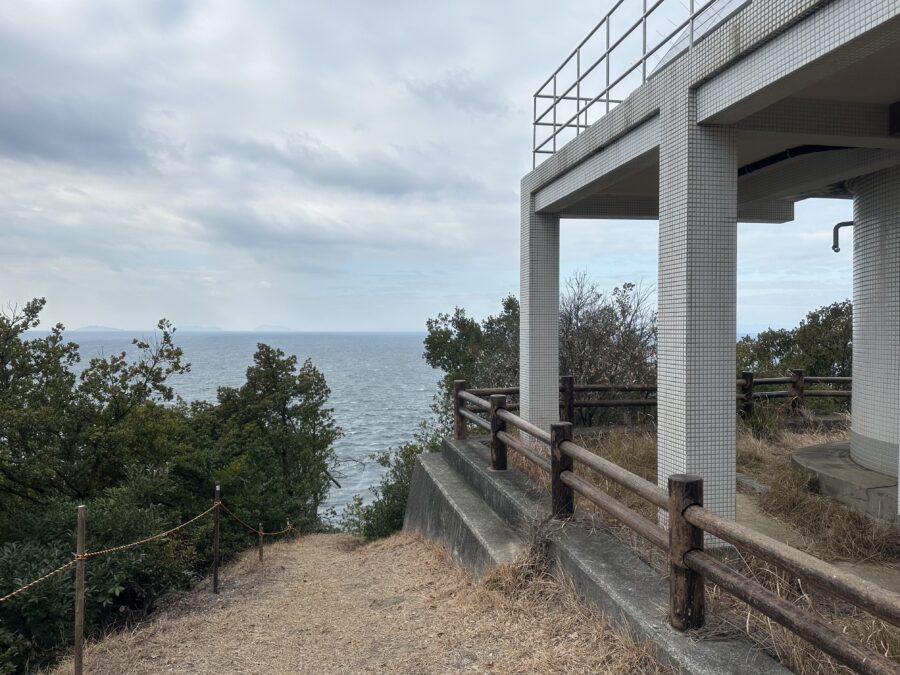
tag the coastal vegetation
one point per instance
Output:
(114, 436)
(117, 439)
(603, 337)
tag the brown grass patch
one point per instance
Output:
(791, 650)
(832, 531)
(327, 604)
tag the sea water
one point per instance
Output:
(381, 387)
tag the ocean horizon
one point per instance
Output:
(381, 386)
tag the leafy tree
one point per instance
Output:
(606, 337)
(117, 439)
(478, 353)
(62, 436)
(821, 345)
(278, 420)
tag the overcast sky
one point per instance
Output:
(349, 165)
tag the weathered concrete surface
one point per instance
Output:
(751, 515)
(843, 479)
(605, 572)
(511, 494)
(608, 575)
(443, 508)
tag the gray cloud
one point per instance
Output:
(349, 165)
(458, 88)
(62, 128)
(398, 173)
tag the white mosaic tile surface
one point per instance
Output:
(876, 320)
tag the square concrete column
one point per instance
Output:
(539, 318)
(697, 296)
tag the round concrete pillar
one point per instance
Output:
(876, 321)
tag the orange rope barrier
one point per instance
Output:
(39, 580)
(255, 530)
(115, 549)
(239, 519)
(106, 551)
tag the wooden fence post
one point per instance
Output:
(216, 541)
(498, 447)
(747, 390)
(797, 387)
(562, 498)
(686, 592)
(260, 543)
(459, 422)
(79, 592)
(568, 391)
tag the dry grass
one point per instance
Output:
(328, 604)
(831, 530)
(791, 650)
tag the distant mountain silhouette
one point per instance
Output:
(97, 329)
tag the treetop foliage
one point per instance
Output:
(118, 439)
(603, 337)
(821, 345)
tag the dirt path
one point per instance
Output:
(325, 604)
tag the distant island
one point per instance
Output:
(97, 329)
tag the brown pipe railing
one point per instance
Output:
(688, 523)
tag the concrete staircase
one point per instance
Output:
(487, 518)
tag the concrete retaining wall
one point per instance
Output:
(486, 517)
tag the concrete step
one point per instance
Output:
(604, 571)
(511, 494)
(442, 507)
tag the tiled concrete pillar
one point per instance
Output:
(539, 320)
(696, 329)
(876, 321)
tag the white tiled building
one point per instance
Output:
(748, 108)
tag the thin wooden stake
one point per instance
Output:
(686, 592)
(216, 542)
(260, 542)
(79, 593)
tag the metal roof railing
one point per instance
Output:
(666, 29)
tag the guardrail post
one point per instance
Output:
(216, 501)
(568, 392)
(797, 386)
(747, 391)
(260, 542)
(498, 447)
(79, 592)
(686, 593)
(562, 498)
(459, 422)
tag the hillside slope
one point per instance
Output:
(327, 604)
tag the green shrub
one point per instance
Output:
(116, 439)
(384, 515)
